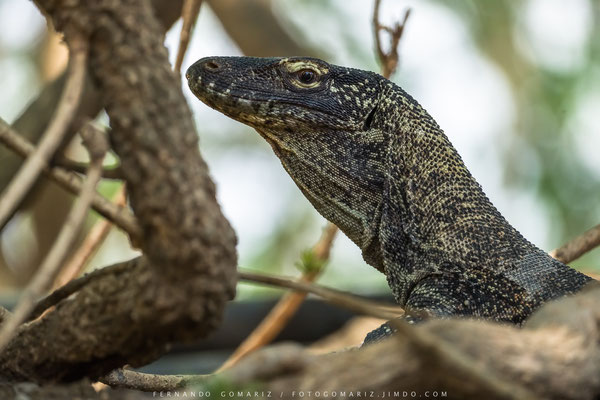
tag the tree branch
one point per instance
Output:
(389, 60)
(45, 275)
(345, 300)
(178, 289)
(127, 379)
(189, 14)
(70, 181)
(52, 138)
(287, 306)
(81, 168)
(578, 246)
(92, 242)
(355, 303)
(556, 358)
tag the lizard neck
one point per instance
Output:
(445, 204)
(440, 205)
(438, 221)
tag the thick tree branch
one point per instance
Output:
(178, 289)
(557, 356)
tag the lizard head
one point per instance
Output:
(279, 94)
(321, 120)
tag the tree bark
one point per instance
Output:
(556, 356)
(177, 290)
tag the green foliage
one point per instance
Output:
(309, 262)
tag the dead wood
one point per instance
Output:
(556, 356)
(178, 289)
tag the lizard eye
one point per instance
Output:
(307, 76)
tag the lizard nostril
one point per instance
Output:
(211, 65)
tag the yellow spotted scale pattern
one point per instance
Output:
(371, 160)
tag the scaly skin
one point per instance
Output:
(372, 161)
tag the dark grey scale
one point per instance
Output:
(371, 160)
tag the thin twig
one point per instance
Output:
(120, 216)
(440, 354)
(342, 299)
(127, 379)
(286, 307)
(97, 147)
(189, 13)
(346, 300)
(22, 182)
(90, 245)
(389, 61)
(81, 168)
(578, 246)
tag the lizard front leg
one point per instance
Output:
(455, 294)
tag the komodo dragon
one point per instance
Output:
(371, 160)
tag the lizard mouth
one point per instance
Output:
(237, 107)
(257, 107)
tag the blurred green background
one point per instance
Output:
(514, 84)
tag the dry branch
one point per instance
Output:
(53, 137)
(97, 147)
(123, 378)
(556, 357)
(389, 60)
(438, 353)
(345, 300)
(286, 307)
(577, 247)
(70, 181)
(92, 242)
(178, 289)
(189, 14)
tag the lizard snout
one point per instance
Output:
(202, 66)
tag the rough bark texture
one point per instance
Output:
(178, 289)
(48, 202)
(81, 390)
(556, 356)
